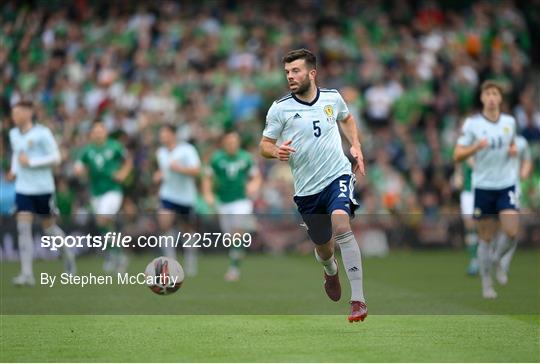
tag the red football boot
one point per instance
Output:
(358, 311)
(332, 285)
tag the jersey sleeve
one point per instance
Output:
(192, 157)
(82, 156)
(120, 150)
(251, 168)
(274, 123)
(342, 110)
(52, 153)
(466, 138)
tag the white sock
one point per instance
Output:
(329, 265)
(68, 253)
(504, 245)
(484, 261)
(26, 247)
(168, 250)
(352, 260)
(507, 257)
(190, 256)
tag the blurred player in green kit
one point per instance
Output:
(107, 165)
(230, 178)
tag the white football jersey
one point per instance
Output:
(493, 167)
(40, 147)
(313, 129)
(176, 187)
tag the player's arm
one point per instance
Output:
(348, 126)
(526, 169)
(12, 173)
(126, 168)
(188, 171)
(158, 175)
(79, 169)
(50, 158)
(192, 168)
(269, 149)
(207, 184)
(466, 145)
(10, 176)
(255, 182)
(526, 165)
(272, 132)
(462, 152)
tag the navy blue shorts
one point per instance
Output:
(185, 212)
(316, 209)
(488, 203)
(37, 204)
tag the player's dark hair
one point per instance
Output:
(170, 127)
(306, 55)
(229, 131)
(487, 84)
(27, 104)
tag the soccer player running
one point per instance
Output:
(107, 164)
(35, 152)
(179, 167)
(232, 177)
(490, 138)
(306, 121)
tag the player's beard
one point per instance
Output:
(303, 87)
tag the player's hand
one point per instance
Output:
(356, 152)
(120, 176)
(10, 176)
(512, 150)
(210, 200)
(284, 151)
(482, 143)
(252, 190)
(23, 160)
(157, 177)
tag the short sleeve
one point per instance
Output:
(466, 137)
(274, 123)
(120, 150)
(192, 157)
(342, 110)
(50, 142)
(82, 156)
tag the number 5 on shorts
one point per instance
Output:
(343, 186)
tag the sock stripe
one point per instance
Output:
(344, 236)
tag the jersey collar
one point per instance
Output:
(307, 103)
(28, 130)
(491, 121)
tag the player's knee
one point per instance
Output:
(341, 226)
(511, 232)
(340, 222)
(104, 220)
(325, 251)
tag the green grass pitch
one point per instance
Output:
(422, 308)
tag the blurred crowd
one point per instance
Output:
(409, 72)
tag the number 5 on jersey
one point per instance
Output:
(316, 128)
